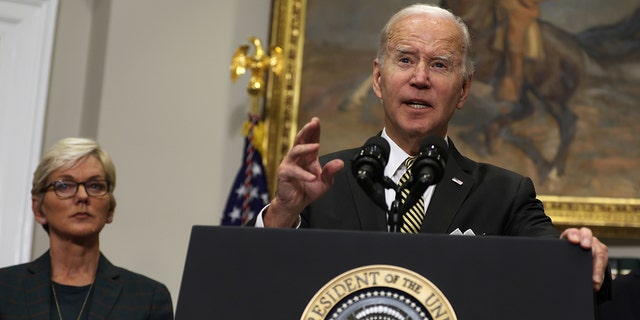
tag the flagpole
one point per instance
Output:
(249, 193)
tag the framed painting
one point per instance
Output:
(572, 127)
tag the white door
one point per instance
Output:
(26, 42)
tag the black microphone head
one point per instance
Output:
(431, 159)
(381, 143)
(371, 159)
(368, 169)
(435, 145)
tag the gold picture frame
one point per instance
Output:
(607, 217)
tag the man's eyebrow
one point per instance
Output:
(404, 50)
(446, 57)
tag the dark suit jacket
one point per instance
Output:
(484, 198)
(625, 303)
(25, 293)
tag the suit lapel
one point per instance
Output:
(449, 194)
(37, 287)
(107, 289)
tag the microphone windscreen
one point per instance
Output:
(371, 159)
(382, 143)
(368, 168)
(436, 142)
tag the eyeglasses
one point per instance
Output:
(67, 189)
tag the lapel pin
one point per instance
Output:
(458, 181)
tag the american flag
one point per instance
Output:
(249, 193)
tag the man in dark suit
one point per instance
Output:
(25, 293)
(422, 74)
(624, 303)
(479, 209)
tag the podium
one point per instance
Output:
(254, 273)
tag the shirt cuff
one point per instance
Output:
(260, 222)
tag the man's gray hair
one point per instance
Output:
(432, 11)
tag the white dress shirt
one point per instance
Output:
(395, 169)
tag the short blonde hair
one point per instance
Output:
(65, 154)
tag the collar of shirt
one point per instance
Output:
(395, 166)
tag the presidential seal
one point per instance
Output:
(379, 292)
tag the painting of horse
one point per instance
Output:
(573, 125)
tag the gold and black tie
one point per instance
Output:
(412, 219)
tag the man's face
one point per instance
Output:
(420, 81)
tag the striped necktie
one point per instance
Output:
(412, 219)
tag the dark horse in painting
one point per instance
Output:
(549, 82)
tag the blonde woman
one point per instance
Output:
(72, 198)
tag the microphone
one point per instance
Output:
(368, 168)
(427, 169)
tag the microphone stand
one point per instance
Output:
(393, 214)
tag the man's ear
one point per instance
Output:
(466, 89)
(376, 79)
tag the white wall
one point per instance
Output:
(150, 80)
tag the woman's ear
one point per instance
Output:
(36, 207)
(110, 217)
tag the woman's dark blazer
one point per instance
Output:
(25, 293)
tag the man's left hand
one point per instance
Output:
(599, 251)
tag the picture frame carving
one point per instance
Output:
(608, 217)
